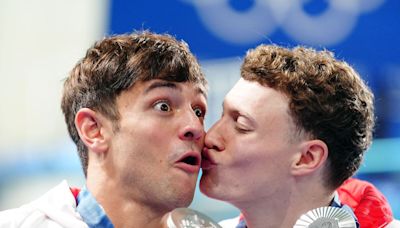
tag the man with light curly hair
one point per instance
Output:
(293, 129)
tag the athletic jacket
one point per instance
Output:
(55, 209)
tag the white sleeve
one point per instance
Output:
(55, 209)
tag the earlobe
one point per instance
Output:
(313, 155)
(89, 126)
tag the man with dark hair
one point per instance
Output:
(134, 106)
(293, 129)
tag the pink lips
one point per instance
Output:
(206, 162)
(189, 162)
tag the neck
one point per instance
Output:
(123, 211)
(285, 207)
(133, 214)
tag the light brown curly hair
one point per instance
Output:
(114, 64)
(328, 101)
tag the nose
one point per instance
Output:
(193, 129)
(214, 139)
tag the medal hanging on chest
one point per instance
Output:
(326, 217)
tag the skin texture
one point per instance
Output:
(160, 123)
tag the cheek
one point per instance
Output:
(254, 159)
(148, 131)
(245, 151)
(138, 142)
(240, 158)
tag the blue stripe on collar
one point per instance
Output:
(91, 211)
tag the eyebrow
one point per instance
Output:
(201, 91)
(172, 85)
(162, 84)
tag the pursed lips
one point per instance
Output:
(207, 162)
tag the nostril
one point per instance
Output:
(215, 148)
(189, 134)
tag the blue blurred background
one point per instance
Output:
(41, 40)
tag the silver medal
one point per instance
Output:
(188, 218)
(326, 217)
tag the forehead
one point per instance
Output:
(251, 96)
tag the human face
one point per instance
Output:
(248, 151)
(156, 151)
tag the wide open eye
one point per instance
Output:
(199, 112)
(162, 106)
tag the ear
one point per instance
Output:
(313, 155)
(90, 127)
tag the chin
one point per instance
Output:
(209, 189)
(175, 205)
(184, 200)
(217, 191)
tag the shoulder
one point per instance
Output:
(368, 203)
(56, 208)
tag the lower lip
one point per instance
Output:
(187, 168)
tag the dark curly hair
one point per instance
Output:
(115, 64)
(328, 101)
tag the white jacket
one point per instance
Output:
(55, 209)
